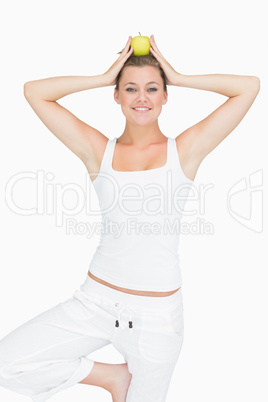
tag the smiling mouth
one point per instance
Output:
(141, 110)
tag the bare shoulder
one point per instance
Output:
(189, 158)
(98, 142)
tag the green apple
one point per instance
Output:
(141, 45)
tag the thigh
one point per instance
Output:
(65, 332)
(155, 351)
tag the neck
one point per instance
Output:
(135, 134)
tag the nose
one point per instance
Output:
(142, 96)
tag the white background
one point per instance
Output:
(225, 354)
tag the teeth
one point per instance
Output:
(141, 108)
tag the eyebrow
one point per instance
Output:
(151, 82)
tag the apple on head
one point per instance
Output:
(141, 45)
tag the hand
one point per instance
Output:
(114, 70)
(171, 74)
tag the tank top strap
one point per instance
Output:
(169, 152)
(108, 155)
(173, 154)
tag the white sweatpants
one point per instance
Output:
(49, 353)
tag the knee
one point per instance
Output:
(4, 373)
(7, 363)
(9, 372)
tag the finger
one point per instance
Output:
(152, 41)
(156, 54)
(151, 38)
(129, 52)
(155, 46)
(128, 44)
(126, 48)
(129, 40)
(124, 57)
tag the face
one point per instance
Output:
(141, 87)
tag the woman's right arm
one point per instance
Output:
(71, 131)
(82, 139)
(54, 88)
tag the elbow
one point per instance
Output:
(256, 83)
(26, 89)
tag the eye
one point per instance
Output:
(129, 89)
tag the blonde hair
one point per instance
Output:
(141, 61)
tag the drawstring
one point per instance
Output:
(130, 323)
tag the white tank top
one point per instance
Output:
(141, 213)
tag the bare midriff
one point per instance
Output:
(131, 291)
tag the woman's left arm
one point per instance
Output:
(209, 132)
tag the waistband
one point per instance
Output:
(97, 290)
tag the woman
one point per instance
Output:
(132, 293)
